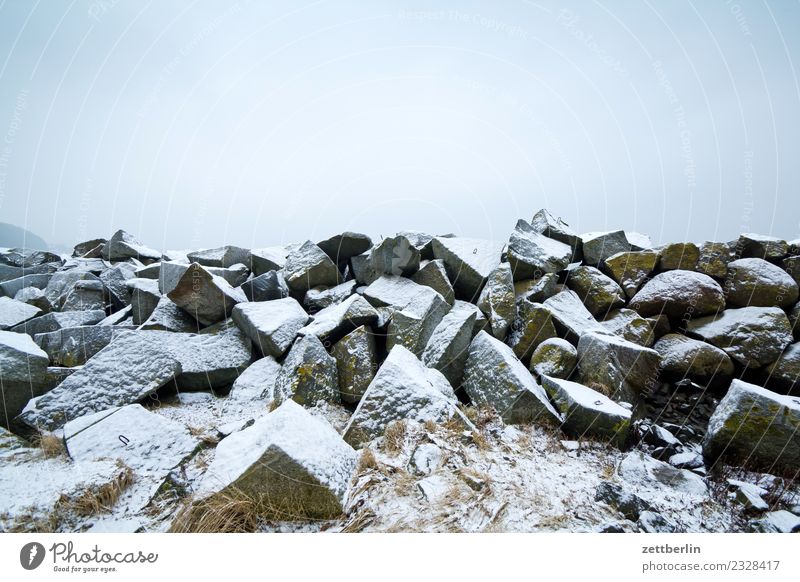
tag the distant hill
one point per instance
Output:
(12, 236)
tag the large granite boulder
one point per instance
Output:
(599, 246)
(599, 293)
(434, 275)
(532, 326)
(57, 320)
(403, 389)
(448, 346)
(84, 296)
(554, 357)
(413, 326)
(148, 443)
(759, 246)
(545, 223)
(785, 371)
(497, 300)
(630, 269)
(356, 363)
(468, 261)
(124, 372)
(628, 324)
(206, 297)
(267, 259)
(220, 257)
(145, 297)
(342, 246)
(752, 336)
(23, 373)
(257, 382)
(494, 377)
(14, 313)
(336, 321)
(570, 316)
(759, 283)
(271, 325)
(308, 266)
(169, 317)
(586, 412)
(755, 427)
(73, 346)
(714, 258)
(308, 374)
(683, 357)
(616, 367)
(289, 464)
(681, 295)
(321, 297)
(123, 246)
(681, 255)
(395, 256)
(531, 254)
(114, 280)
(266, 287)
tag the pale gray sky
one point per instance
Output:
(193, 124)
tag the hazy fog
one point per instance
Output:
(198, 123)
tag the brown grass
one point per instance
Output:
(94, 500)
(394, 436)
(50, 445)
(226, 512)
(367, 461)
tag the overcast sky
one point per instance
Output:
(194, 124)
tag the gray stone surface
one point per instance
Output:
(403, 389)
(494, 377)
(56, 320)
(257, 382)
(434, 275)
(683, 357)
(531, 254)
(356, 363)
(599, 293)
(752, 336)
(334, 322)
(681, 295)
(570, 316)
(468, 262)
(271, 325)
(497, 300)
(308, 374)
(204, 296)
(122, 246)
(266, 287)
(448, 347)
(224, 257)
(554, 357)
(395, 256)
(308, 266)
(756, 427)
(759, 283)
(342, 246)
(630, 269)
(13, 313)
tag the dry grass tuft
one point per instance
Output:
(602, 389)
(394, 436)
(367, 461)
(51, 445)
(481, 441)
(94, 500)
(225, 512)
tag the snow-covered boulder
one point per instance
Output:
(685, 357)
(322, 297)
(122, 246)
(570, 316)
(13, 313)
(785, 371)
(221, 256)
(497, 300)
(631, 268)
(679, 255)
(545, 223)
(761, 246)
(714, 259)
(756, 427)
(356, 363)
(752, 336)
(84, 296)
(681, 295)
(599, 293)
(73, 346)
(395, 256)
(268, 259)
(494, 377)
(759, 283)
(434, 275)
(169, 317)
(640, 469)
(586, 412)
(413, 326)
(266, 287)
(403, 389)
(145, 297)
(554, 357)
(57, 320)
(532, 326)
(342, 246)
(448, 347)
(289, 463)
(623, 369)
(336, 321)
(468, 262)
(598, 246)
(206, 297)
(308, 266)
(271, 325)
(308, 374)
(631, 326)
(148, 443)
(257, 382)
(124, 372)
(23, 372)
(531, 254)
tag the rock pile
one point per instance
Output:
(684, 352)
